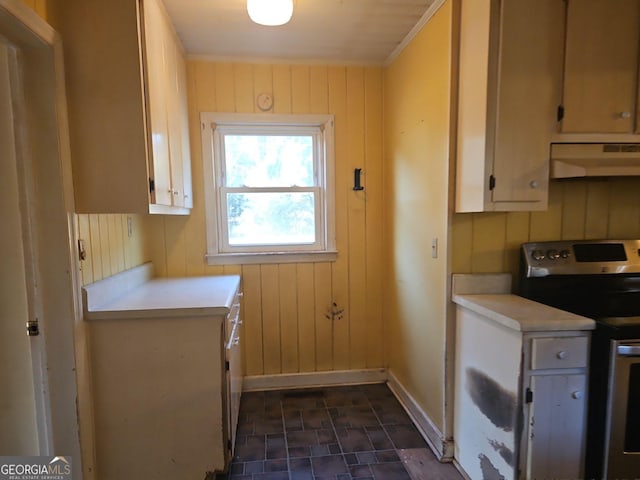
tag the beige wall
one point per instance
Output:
(285, 326)
(578, 209)
(417, 135)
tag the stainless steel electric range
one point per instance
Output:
(601, 280)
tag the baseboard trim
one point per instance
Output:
(313, 379)
(442, 447)
(461, 470)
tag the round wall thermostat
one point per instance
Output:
(265, 101)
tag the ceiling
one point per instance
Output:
(336, 31)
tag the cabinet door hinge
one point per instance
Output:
(492, 182)
(560, 112)
(226, 365)
(528, 396)
(152, 185)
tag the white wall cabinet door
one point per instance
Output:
(159, 53)
(601, 66)
(510, 80)
(126, 89)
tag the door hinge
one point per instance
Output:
(226, 365)
(492, 182)
(560, 112)
(528, 396)
(33, 330)
(152, 185)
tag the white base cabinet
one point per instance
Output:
(158, 397)
(520, 391)
(166, 370)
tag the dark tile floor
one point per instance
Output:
(336, 433)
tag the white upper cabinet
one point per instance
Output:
(126, 90)
(601, 67)
(510, 78)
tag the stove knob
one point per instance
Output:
(537, 255)
(564, 253)
(553, 255)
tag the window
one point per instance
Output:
(268, 188)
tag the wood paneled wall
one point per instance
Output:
(285, 306)
(578, 209)
(109, 248)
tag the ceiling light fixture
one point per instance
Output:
(270, 12)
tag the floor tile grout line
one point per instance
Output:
(286, 439)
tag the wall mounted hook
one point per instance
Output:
(357, 180)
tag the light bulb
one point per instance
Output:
(270, 12)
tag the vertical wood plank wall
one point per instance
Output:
(578, 209)
(285, 306)
(109, 248)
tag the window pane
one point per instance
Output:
(271, 218)
(269, 160)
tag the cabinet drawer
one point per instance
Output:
(568, 352)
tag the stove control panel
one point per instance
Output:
(580, 257)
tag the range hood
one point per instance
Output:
(570, 160)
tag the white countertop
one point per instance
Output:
(522, 314)
(159, 297)
(489, 295)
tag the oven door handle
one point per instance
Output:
(628, 350)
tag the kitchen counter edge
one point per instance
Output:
(119, 297)
(521, 314)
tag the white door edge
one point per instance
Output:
(27, 199)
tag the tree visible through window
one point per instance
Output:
(270, 190)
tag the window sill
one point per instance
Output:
(269, 257)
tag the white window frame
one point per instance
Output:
(214, 127)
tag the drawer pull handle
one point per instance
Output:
(577, 395)
(562, 354)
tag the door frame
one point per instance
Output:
(43, 157)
